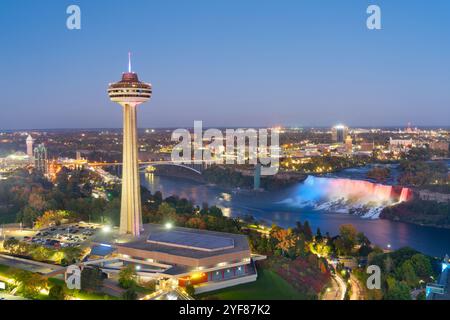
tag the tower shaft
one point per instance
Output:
(130, 212)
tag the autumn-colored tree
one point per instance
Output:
(51, 218)
(196, 223)
(30, 284)
(167, 212)
(36, 201)
(286, 239)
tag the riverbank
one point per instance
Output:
(419, 212)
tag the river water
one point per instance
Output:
(283, 208)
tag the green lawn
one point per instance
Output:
(5, 271)
(269, 286)
(3, 268)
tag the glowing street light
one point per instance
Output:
(168, 225)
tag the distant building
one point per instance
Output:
(349, 145)
(367, 147)
(439, 146)
(40, 158)
(339, 133)
(397, 145)
(434, 196)
(30, 142)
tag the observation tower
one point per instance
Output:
(129, 93)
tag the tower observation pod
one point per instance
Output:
(129, 93)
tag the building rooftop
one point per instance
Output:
(180, 242)
(191, 240)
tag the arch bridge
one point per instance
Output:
(197, 168)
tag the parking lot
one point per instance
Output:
(72, 235)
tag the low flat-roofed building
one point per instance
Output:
(207, 259)
(397, 145)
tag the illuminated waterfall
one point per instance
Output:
(359, 197)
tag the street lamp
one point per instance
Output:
(168, 225)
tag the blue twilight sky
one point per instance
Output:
(227, 62)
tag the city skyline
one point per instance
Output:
(296, 64)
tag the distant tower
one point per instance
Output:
(30, 142)
(129, 93)
(40, 158)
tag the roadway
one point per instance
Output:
(357, 290)
(337, 290)
(28, 265)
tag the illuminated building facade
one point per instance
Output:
(349, 145)
(40, 158)
(129, 93)
(399, 145)
(339, 133)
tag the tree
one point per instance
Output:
(11, 245)
(72, 255)
(41, 253)
(422, 266)
(28, 215)
(196, 223)
(215, 211)
(407, 273)
(347, 239)
(307, 231)
(130, 294)
(379, 174)
(91, 279)
(57, 292)
(167, 212)
(362, 240)
(286, 239)
(319, 236)
(320, 248)
(51, 218)
(149, 285)
(190, 290)
(397, 290)
(30, 284)
(158, 198)
(127, 277)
